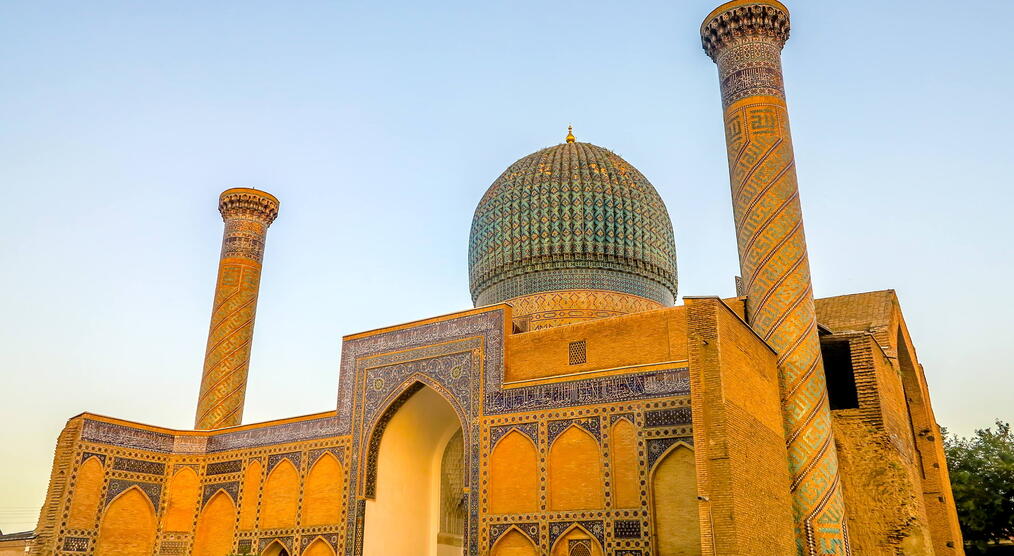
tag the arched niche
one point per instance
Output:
(322, 492)
(513, 475)
(251, 491)
(128, 526)
(184, 491)
(408, 461)
(674, 503)
(275, 548)
(625, 475)
(84, 507)
(575, 471)
(514, 543)
(216, 526)
(319, 547)
(281, 497)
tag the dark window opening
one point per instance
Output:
(841, 377)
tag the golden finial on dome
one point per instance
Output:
(570, 134)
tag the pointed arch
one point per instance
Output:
(275, 548)
(128, 526)
(575, 471)
(84, 508)
(623, 451)
(576, 541)
(674, 503)
(216, 526)
(513, 475)
(251, 490)
(319, 547)
(514, 543)
(407, 477)
(394, 402)
(184, 490)
(322, 493)
(281, 497)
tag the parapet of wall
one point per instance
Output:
(607, 346)
(742, 471)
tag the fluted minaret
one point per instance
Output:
(745, 39)
(247, 214)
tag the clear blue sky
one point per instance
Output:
(379, 126)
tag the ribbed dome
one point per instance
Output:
(572, 216)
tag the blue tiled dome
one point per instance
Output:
(572, 216)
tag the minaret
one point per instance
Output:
(247, 214)
(745, 39)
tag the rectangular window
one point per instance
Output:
(841, 378)
(578, 353)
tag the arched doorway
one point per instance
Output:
(415, 509)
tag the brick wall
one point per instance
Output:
(742, 470)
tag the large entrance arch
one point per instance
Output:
(413, 510)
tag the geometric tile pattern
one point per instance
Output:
(118, 486)
(531, 430)
(231, 488)
(497, 530)
(275, 459)
(223, 467)
(667, 417)
(576, 279)
(658, 446)
(75, 544)
(247, 214)
(590, 424)
(627, 529)
(746, 42)
(138, 466)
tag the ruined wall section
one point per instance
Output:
(936, 482)
(881, 477)
(894, 403)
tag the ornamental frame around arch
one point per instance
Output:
(505, 532)
(665, 454)
(105, 510)
(408, 388)
(567, 531)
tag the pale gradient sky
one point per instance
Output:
(379, 126)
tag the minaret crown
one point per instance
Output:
(246, 202)
(744, 18)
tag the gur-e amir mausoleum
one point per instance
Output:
(576, 410)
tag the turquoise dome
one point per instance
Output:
(571, 216)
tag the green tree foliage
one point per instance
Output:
(982, 478)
